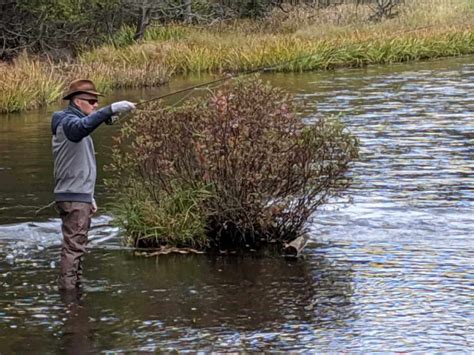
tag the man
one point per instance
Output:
(75, 171)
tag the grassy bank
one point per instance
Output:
(330, 38)
(29, 83)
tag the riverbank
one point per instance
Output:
(337, 37)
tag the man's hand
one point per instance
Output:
(122, 106)
(94, 207)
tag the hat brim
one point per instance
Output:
(69, 95)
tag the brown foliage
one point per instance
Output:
(266, 170)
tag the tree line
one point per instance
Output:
(59, 28)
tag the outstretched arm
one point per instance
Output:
(77, 128)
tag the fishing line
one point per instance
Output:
(228, 77)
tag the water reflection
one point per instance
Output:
(77, 334)
(182, 302)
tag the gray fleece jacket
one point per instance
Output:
(75, 169)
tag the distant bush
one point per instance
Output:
(238, 168)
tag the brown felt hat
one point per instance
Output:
(81, 86)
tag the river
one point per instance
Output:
(390, 268)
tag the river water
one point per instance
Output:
(389, 269)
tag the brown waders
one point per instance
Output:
(76, 221)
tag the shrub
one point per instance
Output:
(244, 166)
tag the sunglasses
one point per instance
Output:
(91, 102)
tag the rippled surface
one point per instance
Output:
(393, 270)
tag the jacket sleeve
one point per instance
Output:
(76, 128)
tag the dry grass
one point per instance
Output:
(337, 36)
(27, 84)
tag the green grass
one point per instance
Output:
(125, 36)
(174, 220)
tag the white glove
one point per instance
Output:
(94, 206)
(122, 106)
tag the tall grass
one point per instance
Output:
(126, 34)
(436, 13)
(124, 73)
(213, 53)
(337, 36)
(27, 84)
(176, 218)
(206, 52)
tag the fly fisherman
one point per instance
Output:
(75, 171)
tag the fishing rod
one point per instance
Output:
(116, 118)
(228, 77)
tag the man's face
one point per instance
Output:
(86, 103)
